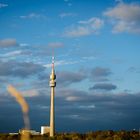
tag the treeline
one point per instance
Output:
(97, 135)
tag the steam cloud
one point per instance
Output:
(25, 109)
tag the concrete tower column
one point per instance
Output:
(52, 109)
(52, 115)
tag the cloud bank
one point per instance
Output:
(124, 17)
(24, 69)
(9, 42)
(2, 5)
(103, 86)
(85, 28)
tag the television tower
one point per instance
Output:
(52, 112)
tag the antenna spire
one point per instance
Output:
(53, 58)
(52, 63)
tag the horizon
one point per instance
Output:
(96, 49)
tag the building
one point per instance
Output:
(31, 132)
(45, 130)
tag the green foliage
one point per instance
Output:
(97, 135)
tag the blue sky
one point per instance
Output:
(96, 47)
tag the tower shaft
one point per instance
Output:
(52, 115)
(52, 109)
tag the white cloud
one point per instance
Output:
(8, 42)
(30, 93)
(78, 31)
(61, 62)
(32, 16)
(2, 5)
(12, 53)
(43, 107)
(73, 98)
(70, 62)
(63, 15)
(24, 45)
(87, 106)
(55, 44)
(84, 28)
(89, 58)
(125, 17)
(95, 23)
